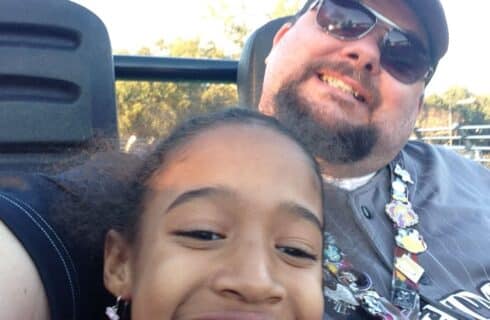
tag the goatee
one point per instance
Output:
(336, 143)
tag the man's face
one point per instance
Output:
(335, 93)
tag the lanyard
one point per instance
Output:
(349, 289)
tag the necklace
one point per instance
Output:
(349, 289)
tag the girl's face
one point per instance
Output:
(231, 231)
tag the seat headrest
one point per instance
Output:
(251, 66)
(57, 91)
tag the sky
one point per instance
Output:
(138, 23)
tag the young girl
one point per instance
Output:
(222, 221)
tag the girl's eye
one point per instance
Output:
(203, 235)
(297, 253)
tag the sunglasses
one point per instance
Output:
(402, 54)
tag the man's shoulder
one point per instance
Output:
(427, 156)
(440, 171)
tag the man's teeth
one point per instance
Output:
(341, 85)
(359, 97)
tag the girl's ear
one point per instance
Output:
(117, 265)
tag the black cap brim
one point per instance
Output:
(431, 14)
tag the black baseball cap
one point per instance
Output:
(433, 18)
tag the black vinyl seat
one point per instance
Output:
(57, 102)
(57, 93)
(53, 217)
(25, 207)
(251, 66)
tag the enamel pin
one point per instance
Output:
(411, 269)
(410, 240)
(401, 214)
(399, 190)
(403, 174)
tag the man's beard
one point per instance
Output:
(335, 143)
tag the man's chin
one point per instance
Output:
(344, 144)
(335, 114)
(337, 142)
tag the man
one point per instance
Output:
(409, 221)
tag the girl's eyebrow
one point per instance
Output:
(302, 212)
(200, 193)
(287, 207)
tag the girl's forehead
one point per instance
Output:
(244, 142)
(249, 159)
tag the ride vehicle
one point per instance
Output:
(58, 109)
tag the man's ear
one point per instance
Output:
(281, 32)
(117, 265)
(278, 36)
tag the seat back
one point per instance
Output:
(57, 91)
(251, 66)
(25, 206)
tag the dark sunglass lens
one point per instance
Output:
(404, 57)
(345, 19)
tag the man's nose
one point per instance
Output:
(364, 54)
(247, 275)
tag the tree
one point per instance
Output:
(457, 100)
(152, 109)
(484, 102)
(284, 8)
(233, 15)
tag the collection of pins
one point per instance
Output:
(349, 289)
(407, 271)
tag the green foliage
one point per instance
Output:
(484, 102)
(152, 109)
(466, 108)
(284, 8)
(457, 106)
(233, 15)
(436, 101)
(235, 27)
(455, 94)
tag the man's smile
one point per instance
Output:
(347, 86)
